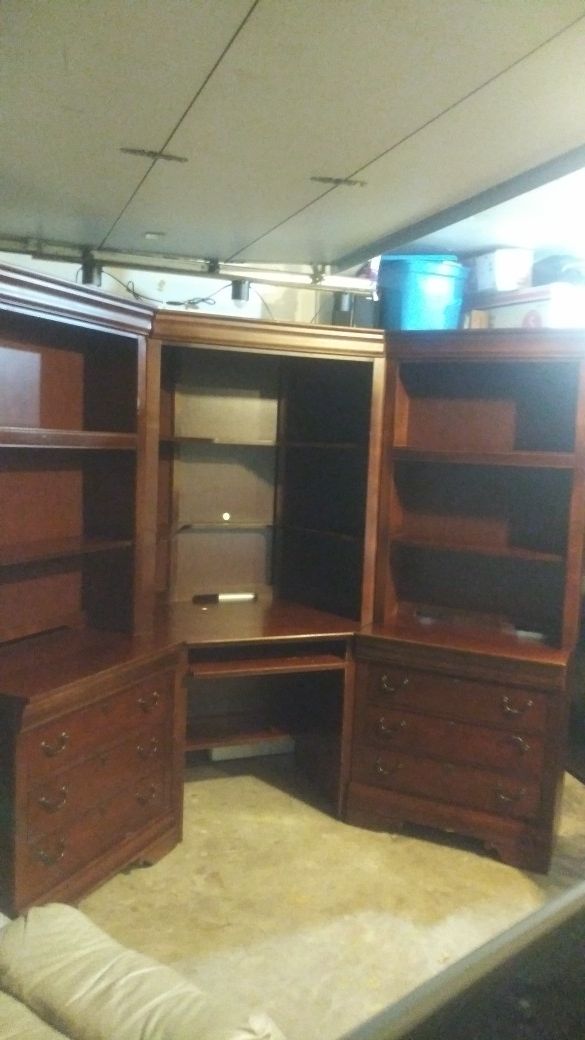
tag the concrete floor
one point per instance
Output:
(272, 899)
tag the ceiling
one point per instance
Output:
(436, 110)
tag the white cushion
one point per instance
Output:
(17, 1022)
(79, 979)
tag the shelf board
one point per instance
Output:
(36, 437)
(57, 548)
(340, 535)
(218, 440)
(525, 459)
(229, 730)
(508, 552)
(184, 526)
(267, 666)
(334, 445)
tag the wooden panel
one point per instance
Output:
(214, 480)
(68, 739)
(31, 483)
(451, 741)
(327, 402)
(209, 561)
(482, 407)
(43, 595)
(451, 697)
(448, 782)
(325, 489)
(226, 398)
(40, 386)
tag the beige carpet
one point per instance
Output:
(323, 924)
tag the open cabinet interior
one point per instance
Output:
(481, 491)
(68, 450)
(263, 478)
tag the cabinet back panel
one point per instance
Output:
(484, 407)
(325, 488)
(527, 595)
(215, 479)
(327, 401)
(43, 596)
(79, 380)
(41, 387)
(208, 562)
(320, 570)
(484, 506)
(31, 485)
(109, 486)
(226, 397)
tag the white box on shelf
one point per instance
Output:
(503, 270)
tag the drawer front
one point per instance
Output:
(512, 708)
(74, 736)
(447, 782)
(453, 741)
(57, 856)
(60, 797)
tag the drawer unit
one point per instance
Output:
(455, 741)
(476, 756)
(72, 736)
(92, 778)
(56, 856)
(65, 794)
(453, 697)
(444, 781)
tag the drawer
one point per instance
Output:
(57, 856)
(62, 796)
(453, 741)
(447, 782)
(512, 708)
(74, 736)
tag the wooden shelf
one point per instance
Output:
(229, 730)
(524, 459)
(223, 525)
(501, 551)
(335, 445)
(32, 437)
(58, 548)
(342, 535)
(218, 441)
(267, 666)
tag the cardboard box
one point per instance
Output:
(556, 306)
(503, 270)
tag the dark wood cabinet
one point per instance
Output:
(88, 777)
(268, 456)
(463, 680)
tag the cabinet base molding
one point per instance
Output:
(515, 842)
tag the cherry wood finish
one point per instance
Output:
(268, 460)
(91, 720)
(463, 680)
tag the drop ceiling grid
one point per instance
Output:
(80, 81)
(483, 142)
(303, 92)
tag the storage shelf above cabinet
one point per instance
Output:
(32, 437)
(483, 549)
(267, 665)
(58, 548)
(524, 459)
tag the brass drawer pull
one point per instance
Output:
(383, 770)
(390, 685)
(149, 703)
(388, 728)
(144, 799)
(54, 804)
(519, 742)
(147, 750)
(50, 858)
(503, 796)
(51, 750)
(509, 709)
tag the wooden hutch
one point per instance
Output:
(374, 547)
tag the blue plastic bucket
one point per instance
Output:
(421, 292)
